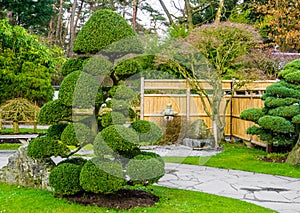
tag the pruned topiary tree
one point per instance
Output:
(277, 122)
(78, 105)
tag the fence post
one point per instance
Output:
(142, 98)
(188, 102)
(35, 121)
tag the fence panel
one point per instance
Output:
(191, 108)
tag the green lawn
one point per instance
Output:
(22, 130)
(25, 200)
(237, 156)
(10, 146)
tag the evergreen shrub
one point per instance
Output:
(147, 131)
(55, 130)
(102, 176)
(45, 147)
(77, 134)
(145, 169)
(121, 140)
(64, 179)
(112, 118)
(53, 112)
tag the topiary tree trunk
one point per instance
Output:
(294, 156)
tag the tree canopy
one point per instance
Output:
(26, 65)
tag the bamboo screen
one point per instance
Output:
(190, 107)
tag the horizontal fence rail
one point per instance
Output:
(189, 106)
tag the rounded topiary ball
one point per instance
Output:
(112, 118)
(121, 92)
(77, 134)
(120, 139)
(45, 147)
(145, 168)
(147, 131)
(71, 65)
(104, 28)
(65, 179)
(76, 160)
(53, 112)
(56, 130)
(102, 176)
(80, 90)
(98, 67)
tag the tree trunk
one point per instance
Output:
(294, 156)
(134, 14)
(189, 13)
(166, 11)
(57, 33)
(219, 12)
(72, 28)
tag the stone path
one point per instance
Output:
(279, 193)
(275, 192)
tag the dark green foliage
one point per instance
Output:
(77, 134)
(148, 131)
(276, 124)
(77, 161)
(102, 177)
(280, 115)
(293, 64)
(120, 105)
(127, 68)
(293, 77)
(280, 90)
(121, 93)
(45, 147)
(285, 111)
(80, 90)
(98, 67)
(252, 114)
(122, 140)
(296, 119)
(53, 112)
(55, 130)
(145, 169)
(112, 118)
(26, 65)
(64, 178)
(272, 102)
(104, 28)
(71, 65)
(254, 130)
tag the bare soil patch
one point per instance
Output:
(123, 199)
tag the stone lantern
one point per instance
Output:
(169, 113)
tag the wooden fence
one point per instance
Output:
(189, 106)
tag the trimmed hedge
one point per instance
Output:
(272, 102)
(285, 111)
(147, 131)
(71, 65)
(102, 176)
(112, 118)
(127, 68)
(45, 147)
(252, 114)
(120, 139)
(80, 90)
(53, 112)
(104, 28)
(77, 134)
(276, 124)
(145, 169)
(77, 161)
(98, 67)
(121, 93)
(64, 179)
(56, 130)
